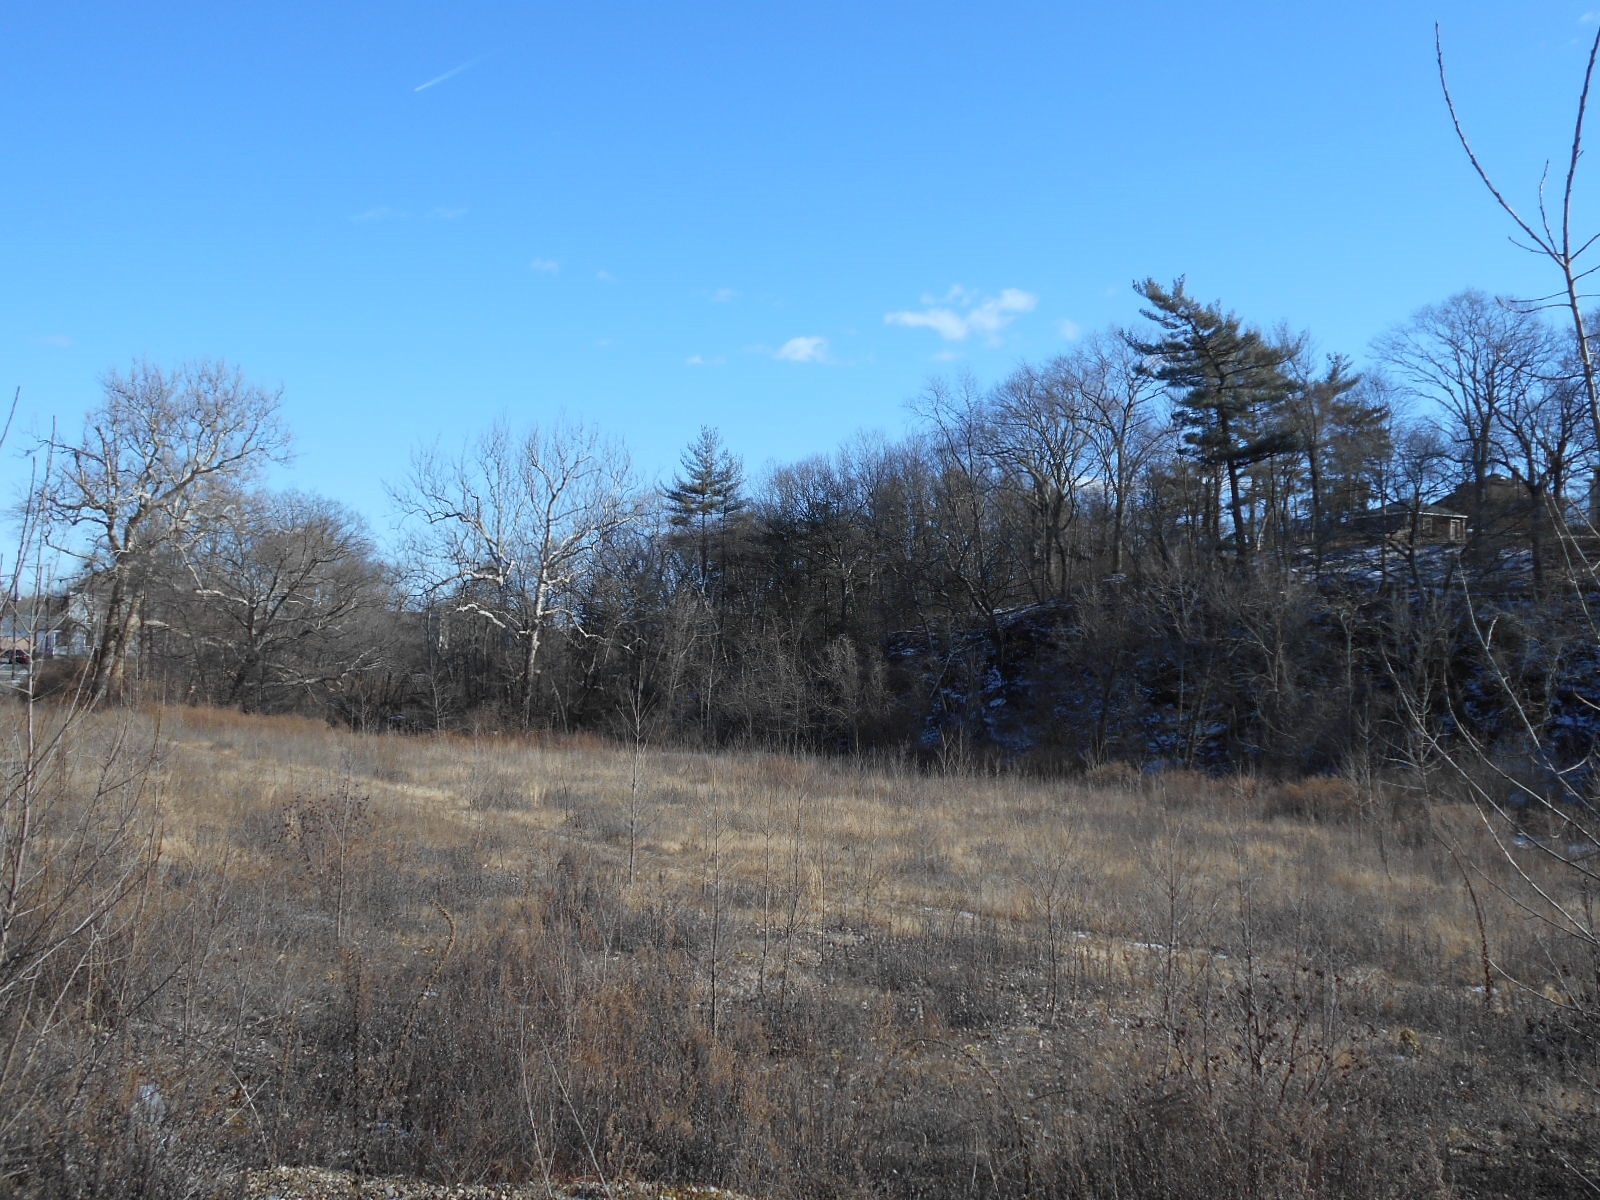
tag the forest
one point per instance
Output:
(1190, 542)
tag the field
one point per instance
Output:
(248, 942)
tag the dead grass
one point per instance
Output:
(427, 956)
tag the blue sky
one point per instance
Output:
(777, 219)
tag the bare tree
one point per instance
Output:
(1419, 467)
(1479, 362)
(138, 477)
(506, 529)
(1039, 431)
(1512, 749)
(1543, 439)
(1129, 426)
(1551, 237)
(974, 507)
(79, 840)
(277, 596)
(814, 519)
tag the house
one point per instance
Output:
(53, 626)
(1413, 523)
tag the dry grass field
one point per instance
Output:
(241, 943)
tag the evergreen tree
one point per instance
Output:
(1341, 424)
(1228, 384)
(1353, 447)
(704, 496)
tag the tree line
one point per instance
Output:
(1192, 541)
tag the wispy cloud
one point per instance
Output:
(962, 312)
(59, 340)
(605, 276)
(803, 350)
(450, 74)
(449, 213)
(381, 212)
(1589, 18)
(723, 295)
(947, 323)
(1070, 329)
(546, 266)
(700, 360)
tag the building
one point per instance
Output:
(55, 626)
(1414, 524)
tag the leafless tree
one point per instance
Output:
(1551, 236)
(974, 511)
(1479, 362)
(277, 595)
(1532, 771)
(79, 840)
(1040, 434)
(138, 478)
(504, 530)
(1129, 426)
(1544, 437)
(1418, 469)
(815, 514)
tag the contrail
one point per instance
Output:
(450, 74)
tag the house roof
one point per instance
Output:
(1421, 510)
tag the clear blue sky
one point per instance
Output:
(774, 218)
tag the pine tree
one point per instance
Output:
(1229, 387)
(705, 495)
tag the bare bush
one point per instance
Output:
(814, 980)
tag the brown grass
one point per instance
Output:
(426, 956)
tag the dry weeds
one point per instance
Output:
(496, 961)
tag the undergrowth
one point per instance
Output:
(518, 960)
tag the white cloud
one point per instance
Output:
(700, 360)
(381, 213)
(546, 266)
(605, 276)
(803, 350)
(946, 323)
(1589, 18)
(963, 313)
(55, 339)
(449, 213)
(723, 295)
(994, 314)
(1070, 329)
